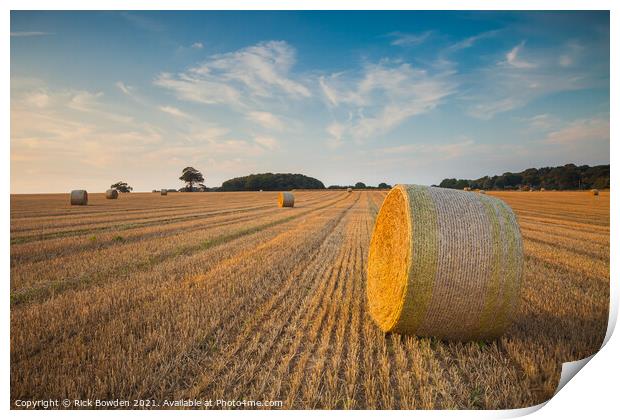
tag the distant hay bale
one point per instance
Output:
(164, 192)
(349, 189)
(542, 190)
(286, 199)
(444, 264)
(111, 194)
(466, 189)
(594, 191)
(482, 191)
(79, 198)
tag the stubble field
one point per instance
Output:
(226, 296)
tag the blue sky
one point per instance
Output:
(397, 97)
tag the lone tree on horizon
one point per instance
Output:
(121, 186)
(191, 176)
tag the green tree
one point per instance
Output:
(360, 185)
(191, 176)
(272, 182)
(121, 186)
(384, 185)
(566, 177)
(448, 183)
(487, 183)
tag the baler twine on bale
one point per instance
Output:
(444, 263)
(286, 199)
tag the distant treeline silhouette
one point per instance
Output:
(567, 177)
(359, 186)
(271, 182)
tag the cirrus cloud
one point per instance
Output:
(240, 78)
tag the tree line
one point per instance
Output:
(360, 186)
(271, 182)
(567, 177)
(194, 182)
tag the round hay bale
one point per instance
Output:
(542, 190)
(466, 189)
(443, 263)
(164, 192)
(482, 192)
(594, 191)
(349, 189)
(79, 198)
(286, 199)
(111, 194)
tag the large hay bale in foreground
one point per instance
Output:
(79, 198)
(286, 199)
(444, 263)
(111, 194)
(594, 191)
(164, 192)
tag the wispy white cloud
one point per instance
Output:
(240, 78)
(512, 58)
(515, 82)
(580, 131)
(407, 39)
(336, 132)
(84, 100)
(266, 120)
(173, 111)
(197, 45)
(447, 151)
(571, 54)
(336, 90)
(38, 99)
(127, 90)
(269, 143)
(201, 90)
(471, 41)
(142, 21)
(541, 121)
(30, 33)
(207, 133)
(384, 96)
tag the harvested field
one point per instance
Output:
(222, 296)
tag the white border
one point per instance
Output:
(592, 394)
